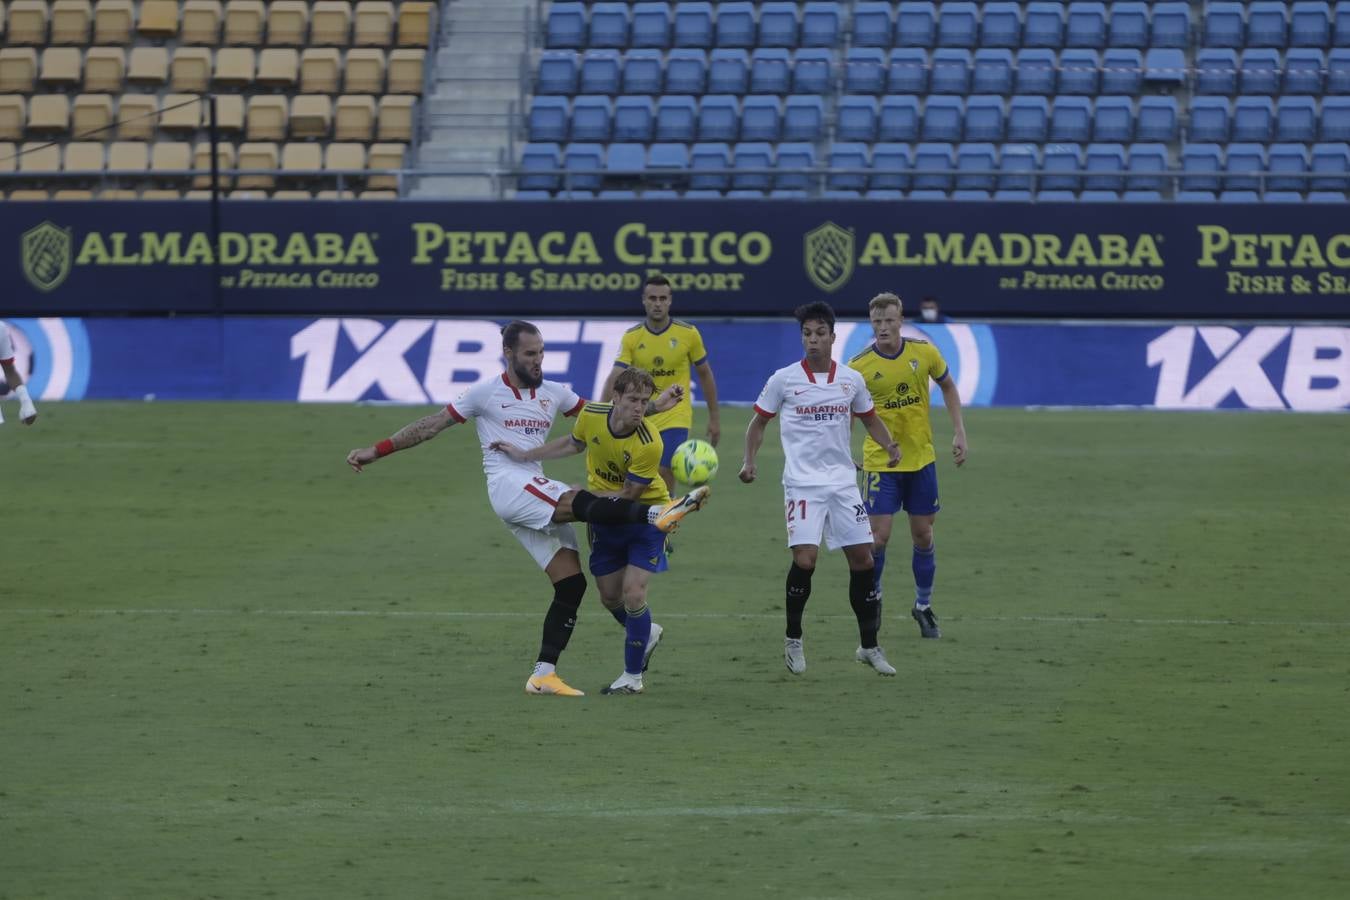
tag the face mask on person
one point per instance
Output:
(929, 314)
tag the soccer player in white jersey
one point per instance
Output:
(27, 411)
(519, 408)
(817, 399)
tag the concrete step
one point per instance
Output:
(451, 133)
(440, 105)
(505, 91)
(455, 155)
(433, 187)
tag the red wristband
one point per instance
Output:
(384, 447)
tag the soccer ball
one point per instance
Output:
(694, 462)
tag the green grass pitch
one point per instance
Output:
(231, 668)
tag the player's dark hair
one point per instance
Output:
(819, 310)
(657, 280)
(512, 331)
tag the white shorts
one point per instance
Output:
(525, 504)
(6, 343)
(837, 513)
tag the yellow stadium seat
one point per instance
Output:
(416, 23)
(292, 195)
(159, 18)
(266, 119)
(234, 67)
(354, 119)
(248, 195)
(105, 69)
(257, 156)
(161, 194)
(148, 66)
(8, 156)
(91, 114)
(306, 159)
(181, 112)
(345, 158)
(29, 194)
(116, 194)
(396, 118)
(311, 116)
(363, 71)
(405, 71)
(190, 71)
(27, 23)
(71, 20)
(278, 67)
(330, 24)
(201, 22)
(384, 156)
(244, 23)
(196, 195)
(113, 22)
(84, 156)
(378, 195)
(136, 117)
(287, 23)
(13, 117)
(374, 24)
(73, 194)
(128, 156)
(229, 113)
(60, 67)
(170, 156)
(201, 163)
(48, 113)
(319, 70)
(335, 195)
(18, 70)
(38, 156)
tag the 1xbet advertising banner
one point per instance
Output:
(430, 361)
(1083, 260)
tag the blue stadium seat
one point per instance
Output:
(820, 24)
(1142, 196)
(579, 160)
(951, 71)
(891, 164)
(1200, 164)
(540, 158)
(1194, 197)
(651, 25)
(1209, 119)
(709, 156)
(1326, 197)
(736, 24)
(566, 26)
(1017, 158)
(943, 119)
(634, 118)
(591, 118)
(1037, 72)
(898, 119)
(992, 71)
(761, 119)
(865, 71)
(1253, 119)
(1340, 29)
(1296, 120)
(1335, 119)
(984, 118)
(1216, 71)
(1105, 165)
(969, 195)
(1338, 71)
(642, 72)
(1251, 196)
(600, 70)
(728, 71)
(1171, 25)
(975, 165)
(1079, 72)
(557, 72)
(1085, 25)
(1290, 161)
(841, 195)
(1165, 66)
(778, 25)
(857, 119)
(937, 159)
(1123, 71)
(1310, 25)
(1028, 119)
(784, 194)
(794, 156)
(1157, 119)
(660, 194)
(701, 194)
(533, 195)
(694, 24)
(686, 71)
(1013, 196)
(812, 72)
(1147, 158)
(719, 118)
(609, 25)
(1259, 72)
(1129, 25)
(1061, 165)
(1303, 71)
(676, 118)
(928, 194)
(1113, 119)
(1044, 25)
(1332, 163)
(848, 155)
(751, 155)
(1098, 196)
(872, 24)
(1282, 197)
(1224, 26)
(1000, 25)
(615, 194)
(548, 119)
(770, 71)
(1242, 162)
(1060, 196)
(744, 194)
(624, 157)
(803, 118)
(884, 195)
(907, 71)
(958, 25)
(1267, 24)
(1071, 120)
(916, 25)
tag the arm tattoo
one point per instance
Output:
(424, 429)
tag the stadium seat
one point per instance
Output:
(158, 19)
(1260, 72)
(1028, 119)
(60, 68)
(48, 113)
(1165, 67)
(857, 119)
(1340, 33)
(1253, 119)
(320, 70)
(330, 24)
(1142, 196)
(183, 113)
(1061, 166)
(1171, 25)
(70, 22)
(136, 117)
(1249, 196)
(1080, 72)
(566, 26)
(951, 71)
(548, 121)
(975, 167)
(1194, 196)
(558, 72)
(1098, 196)
(694, 24)
(1216, 71)
(943, 118)
(686, 71)
(992, 71)
(278, 67)
(416, 24)
(1338, 70)
(891, 164)
(959, 24)
(1147, 158)
(1113, 119)
(634, 119)
(287, 25)
(600, 70)
(13, 117)
(907, 71)
(872, 24)
(796, 157)
(608, 25)
(803, 118)
(676, 118)
(812, 72)
(590, 118)
(1335, 119)
(1209, 119)
(674, 157)
(1044, 25)
(1085, 25)
(1129, 25)
(1123, 71)
(354, 118)
(847, 155)
(267, 118)
(718, 118)
(709, 156)
(1303, 71)
(1332, 163)
(1012, 196)
(1224, 25)
(1071, 120)
(770, 71)
(90, 113)
(396, 118)
(235, 67)
(1000, 25)
(651, 26)
(1326, 197)
(916, 25)
(899, 119)
(735, 24)
(149, 66)
(1157, 119)
(1267, 24)
(969, 195)
(1287, 164)
(936, 161)
(729, 71)
(751, 155)
(1310, 25)
(1242, 164)
(984, 118)
(19, 67)
(1017, 158)
(1282, 197)
(929, 194)
(200, 22)
(625, 158)
(1037, 72)
(1104, 164)
(761, 119)
(581, 162)
(778, 24)
(1296, 120)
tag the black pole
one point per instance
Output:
(214, 138)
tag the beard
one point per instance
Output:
(527, 377)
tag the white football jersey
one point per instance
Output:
(817, 411)
(6, 344)
(519, 416)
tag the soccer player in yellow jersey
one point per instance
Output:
(897, 371)
(668, 349)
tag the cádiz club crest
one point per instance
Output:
(829, 256)
(46, 255)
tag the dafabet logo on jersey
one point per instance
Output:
(46, 255)
(829, 256)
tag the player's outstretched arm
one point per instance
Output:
(754, 437)
(554, 449)
(952, 398)
(664, 400)
(410, 435)
(882, 435)
(708, 385)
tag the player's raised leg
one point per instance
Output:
(584, 506)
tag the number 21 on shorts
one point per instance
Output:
(796, 510)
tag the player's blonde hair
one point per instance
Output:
(881, 301)
(633, 379)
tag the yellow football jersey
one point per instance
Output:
(669, 356)
(899, 388)
(612, 459)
